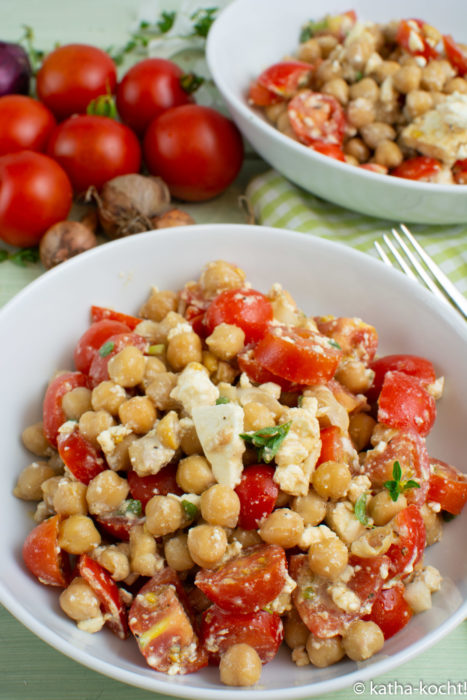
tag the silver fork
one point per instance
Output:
(417, 264)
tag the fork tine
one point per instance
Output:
(457, 298)
(406, 268)
(418, 267)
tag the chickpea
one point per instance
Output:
(435, 74)
(106, 492)
(407, 78)
(168, 431)
(351, 160)
(381, 508)
(184, 348)
(326, 71)
(48, 488)
(35, 441)
(28, 486)
(108, 396)
(159, 390)
(384, 70)
(358, 149)
(324, 652)
(247, 538)
(194, 474)
(273, 112)
(374, 133)
(164, 515)
(417, 102)
(295, 631)
(338, 88)
(70, 497)
(220, 275)
(115, 560)
(360, 429)
(154, 367)
(283, 527)
(189, 440)
(138, 414)
(240, 665)
(328, 557)
(119, 459)
(144, 557)
(207, 544)
(354, 375)
(224, 373)
(327, 44)
(226, 341)
(78, 534)
(220, 505)
(389, 154)
(360, 112)
(92, 423)
(311, 507)
(366, 88)
(456, 85)
(283, 124)
(158, 305)
(210, 361)
(331, 480)
(359, 51)
(433, 525)
(76, 402)
(310, 51)
(362, 640)
(127, 367)
(257, 416)
(79, 601)
(177, 554)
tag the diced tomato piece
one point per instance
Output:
(163, 629)
(118, 526)
(332, 150)
(455, 55)
(80, 456)
(261, 96)
(108, 593)
(93, 339)
(314, 602)
(390, 611)
(52, 411)
(98, 313)
(448, 487)
(421, 168)
(404, 404)
(260, 375)
(316, 117)
(246, 308)
(258, 493)
(98, 370)
(332, 448)
(409, 527)
(261, 630)
(354, 336)
(42, 555)
(286, 77)
(411, 37)
(299, 355)
(409, 449)
(459, 171)
(374, 168)
(413, 365)
(143, 488)
(248, 582)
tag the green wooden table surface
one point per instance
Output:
(29, 668)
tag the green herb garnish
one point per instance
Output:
(20, 257)
(165, 22)
(267, 440)
(309, 592)
(203, 20)
(396, 485)
(360, 510)
(191, 511)
(132, 506)
(334, 344)
(311, 28)
(358, 76)
(107, 348)
(156, 349)
(221, 400)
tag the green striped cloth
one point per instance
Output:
(277, 202)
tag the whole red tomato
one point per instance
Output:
(93, 149)
(148, 89)
(73, 75)
(35, 193)
(25, 123)
(196, 150)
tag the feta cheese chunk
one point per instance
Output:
(148, 455)
(194, 388)
(218, 428)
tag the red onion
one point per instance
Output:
(15, 69)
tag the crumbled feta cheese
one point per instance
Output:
(194, 388)
(341, 518)
(344, 597)
(148, 455)
(219, 429)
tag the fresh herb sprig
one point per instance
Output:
(360, 510)
(267, 440)
(20, 257)
(397, 485)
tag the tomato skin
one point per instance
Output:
(25, 124)
(42, 555)
(408, 550)
(410, 34)
(81, 458)
(421, 168)
(196, 150)
(459, 171)
(35, 193)
(108, 593)
(260, 96)
(299, 355)
(404, 404)
(258, 493)
(260, 375)
(248, 582)
(413, 365)
(118, 526)
(261, 630)
(332, 449)
(92, 339)
(316, 117)
(52, 412)
(448, 487)
(143, 488)
(456, 57)
(98, 370)
(246, 308)
(331, 150)
(390, 611)
(99, 313)
(354, 336)
(286, 77)
(148, 89)
(93, 149)
(73, 75)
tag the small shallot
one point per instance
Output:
(64, 240)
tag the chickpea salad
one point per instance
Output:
(390, 98)
(221, 473)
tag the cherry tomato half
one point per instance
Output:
(73, 75)
(258, 493)
(43, 556)
(108, 593)
(316, 117)
(25, 124)
(421, 168)
(411, 36)
(53, 414)
(35, 193)
(196, 150)
(98, 370)
(448, 487)
(80, 456)
(262, 97)
(455, 54)
(93, 150)
(390, 611)
(98, 313)
(409, 527)
(413, 365)
(404, 404)
(352, 335)
(148, 89)
(286, 77)
(143, 488)
(92, 339)
(246, 308)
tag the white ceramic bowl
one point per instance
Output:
(39, 329)
(250, 35)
